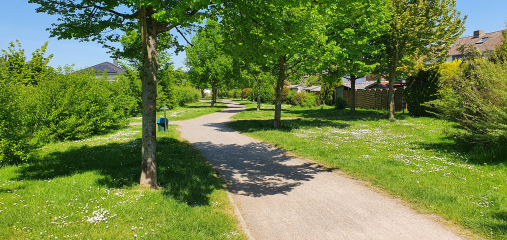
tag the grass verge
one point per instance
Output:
(409, 158)
(191, 110)
(88, 189)
(288, 111)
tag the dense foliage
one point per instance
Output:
(340, 103)
(421, 88)
(477, 100)
(55, 105)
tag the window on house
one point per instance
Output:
(484, 39)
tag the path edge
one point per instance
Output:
(240, 218)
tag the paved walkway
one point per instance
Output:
(282, 197)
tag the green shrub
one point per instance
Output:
(235, 93)
(477, 100)
(78, 105)
(340, 103)
(14, 125)
(186, 94)
(247, 93)
(297, 99)
(267, 93)
(310, 101)
(290, 95)
(422, 88)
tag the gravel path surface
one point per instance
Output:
(283, 197)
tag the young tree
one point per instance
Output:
(94, 20)
(418, 28)
(207, 59)
(280, 35)
(354, 27)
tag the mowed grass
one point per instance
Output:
(288, 111)
(191, 110)
(409, 158)
(89, 189)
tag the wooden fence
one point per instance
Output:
(375, 99)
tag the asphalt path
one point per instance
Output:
(278, 196)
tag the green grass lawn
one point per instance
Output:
(191, 110)
(88, 189)
(409, 158)
(288, 111)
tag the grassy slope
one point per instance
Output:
(410, 159)
(191, 110)
(288, 111)
(89, 190)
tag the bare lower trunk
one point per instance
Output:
(279, 85)
(258, 93)
(392, 79)
(241, 94)
(353, 91)
(213, 94)
(149, 98)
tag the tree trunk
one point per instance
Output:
(149, 98)
(213, 94)
(392, 79)
(258, 92)
(279, 86)
(353, 89)
(241, 94)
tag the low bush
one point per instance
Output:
(340, 103)
(422, 88)
(186, 94)
(247, 93)
(55, 105)
(297, 99)
(477, 100)
(290, 95)
(235, 93)
(310, 101)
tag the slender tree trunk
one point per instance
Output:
(353, 98)
(279, 86)
(213, 96)
(258, 92)
(392, 79)
(149, 97)
(241, 94)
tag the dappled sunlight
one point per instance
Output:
(257, 169)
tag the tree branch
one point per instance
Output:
(183, 36)
(126, 16)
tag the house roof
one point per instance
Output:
(484, 42)
(296, 86)
(111, 68)
(312, 88)
(364, 85)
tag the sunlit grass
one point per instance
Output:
(191, 110)
(409, 158)
(288, 111)
(88, 189)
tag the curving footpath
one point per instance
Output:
(283, 197)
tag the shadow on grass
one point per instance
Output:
(317, 112)
(182, 172)
(289, 125)
(501, 216)
(493, 154)
(204, 106)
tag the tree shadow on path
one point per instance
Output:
(257, 169)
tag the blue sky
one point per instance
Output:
(18, 20)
